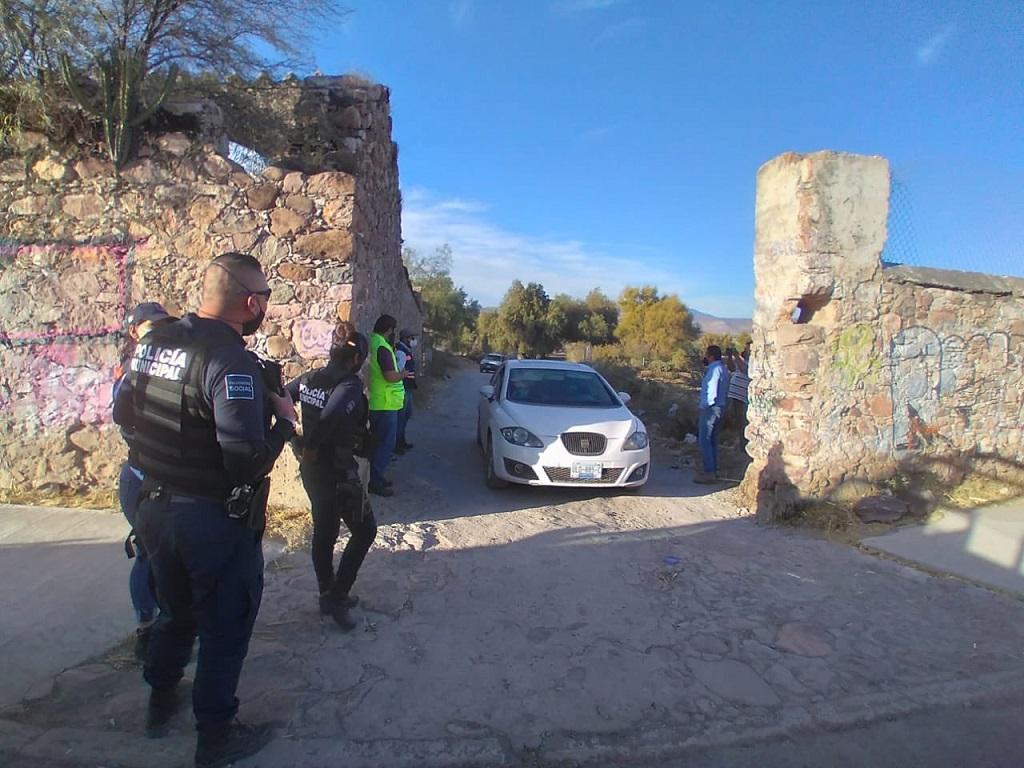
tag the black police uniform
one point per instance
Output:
(200, 420)
(334, 413)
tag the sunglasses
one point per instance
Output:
(265, 293)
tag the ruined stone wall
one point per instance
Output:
(860, 369)
(82, 245)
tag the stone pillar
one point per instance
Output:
(820, 229)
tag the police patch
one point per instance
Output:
(240, 386)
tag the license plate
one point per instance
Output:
(581, 471)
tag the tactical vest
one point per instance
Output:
(384, 395)
(315, 389)
(175, 439)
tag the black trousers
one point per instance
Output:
(208, 573)
(330, 509)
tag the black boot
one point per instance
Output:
(339, 612)
(163, 704)
(380, 490)
(223, 746)
(327, 602)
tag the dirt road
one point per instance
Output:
(531, 627)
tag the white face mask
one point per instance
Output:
(413, 343)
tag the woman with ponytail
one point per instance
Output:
(334, 412)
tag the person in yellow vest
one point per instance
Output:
(387, 398)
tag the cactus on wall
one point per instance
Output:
(120, 101)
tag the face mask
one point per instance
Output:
(413, 343)
(249, 327)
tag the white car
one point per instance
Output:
(544, 422)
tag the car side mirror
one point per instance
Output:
(624, 397)
(487, 391)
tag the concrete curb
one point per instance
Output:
(85, 747)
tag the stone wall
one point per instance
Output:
(861, 369)
(82, 245)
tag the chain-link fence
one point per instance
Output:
(949, 220)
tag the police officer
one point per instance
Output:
(144, 318)
(201, 437)
(334, 412)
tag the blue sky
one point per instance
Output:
(586, 143)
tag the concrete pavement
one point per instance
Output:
(984, 544)
(63, 593)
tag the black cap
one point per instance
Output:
(147, 312)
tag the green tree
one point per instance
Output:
(525, 320)
(449, 315)
(654, 327)
(565, 315)
(491, 335)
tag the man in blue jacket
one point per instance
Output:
(714, 394)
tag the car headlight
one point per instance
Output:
(520, 436)
(636, 442)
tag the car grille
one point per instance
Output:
(584, 443)
(562, 475)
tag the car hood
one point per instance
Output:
(547, 421)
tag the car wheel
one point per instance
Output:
(494, 482)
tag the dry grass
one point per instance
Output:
(293, 526)
(92, 498)
(977, 490)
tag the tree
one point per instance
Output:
(654, 327)
(525, 320)
(224, 37)
(113, 46)
(448, 312)
(491, 336)
(565, 315)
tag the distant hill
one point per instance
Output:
(712, 324)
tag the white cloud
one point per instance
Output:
(930, 50)
(458, 10)
(487, 257)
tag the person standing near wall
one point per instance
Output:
(334, 412)
(405, 352)
(202, 437)
(714, 392)
(739, 383)
(140, 322)
(387, 398)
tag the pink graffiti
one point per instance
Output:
(57, 386)
(313, 337)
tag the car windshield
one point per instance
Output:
(494, 358)
(540, 386)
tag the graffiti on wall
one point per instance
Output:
(949, 389)
(61, 309)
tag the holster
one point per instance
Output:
(351, 492)
(249, 502)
